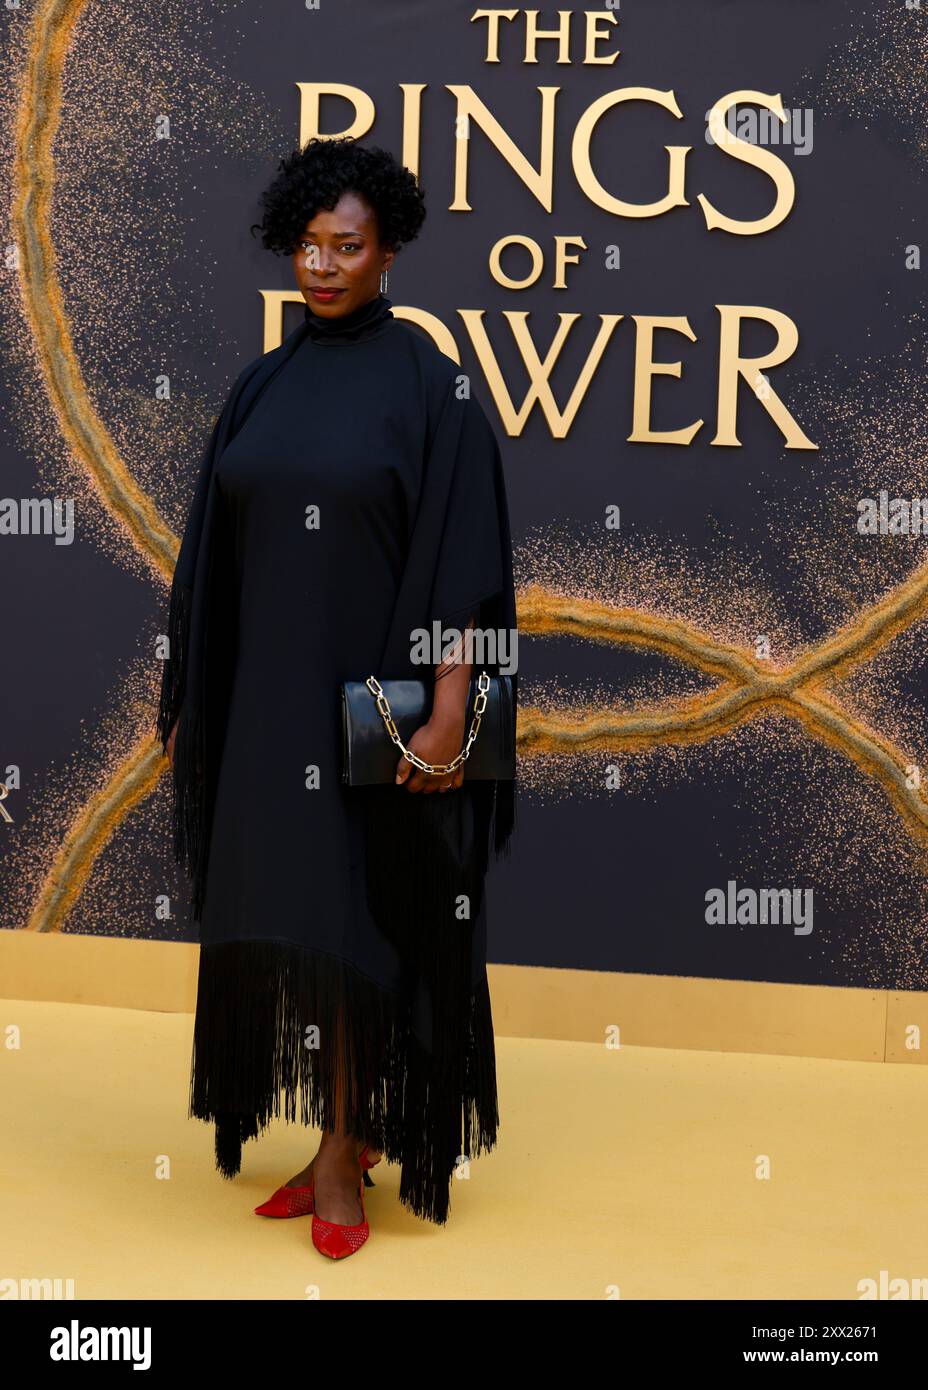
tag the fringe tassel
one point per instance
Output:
(279, 1027)
(451, 1109)
(231, 1132)
(255, 1058)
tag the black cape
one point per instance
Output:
(334, 958)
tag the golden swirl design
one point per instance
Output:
(750, 686)
(134, 779)
(38, 114)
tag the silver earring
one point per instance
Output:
(383, 282)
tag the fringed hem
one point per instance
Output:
(284, 1030)
(435, 1148)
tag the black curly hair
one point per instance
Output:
(316, 177)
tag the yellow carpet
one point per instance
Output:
(630, 1170)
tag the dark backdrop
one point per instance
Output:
(159, 276)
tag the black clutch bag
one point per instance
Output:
(378, 719)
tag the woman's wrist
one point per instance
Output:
(449, 701)
(447, 721)
(449, 704)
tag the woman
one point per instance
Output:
(351, 494)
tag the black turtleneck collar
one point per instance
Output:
(356, 327)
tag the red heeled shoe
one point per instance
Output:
(337, 1241)
(298, 1201)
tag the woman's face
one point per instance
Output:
(339, 259)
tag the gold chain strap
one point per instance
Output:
(440, 769)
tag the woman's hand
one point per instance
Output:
(442, 738)
(438, 741)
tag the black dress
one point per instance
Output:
(335, 959)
